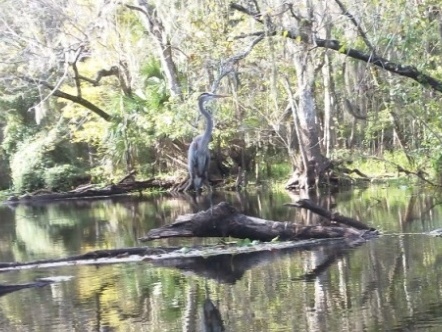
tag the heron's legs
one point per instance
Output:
(189, 184)
(211, 199)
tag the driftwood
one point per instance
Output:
(224, 220)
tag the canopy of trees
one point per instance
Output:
(95, 89)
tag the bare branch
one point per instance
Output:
(419, 173)
(76, 99)
(87, 79)
(256, 15)
(226, 66)
(76, 74)
(252, 34)
(349, 108)
(353, 20)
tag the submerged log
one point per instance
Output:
(224, 220)
(97, 256)
(6, 289)
(225, 263)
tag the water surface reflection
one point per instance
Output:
(389, 283)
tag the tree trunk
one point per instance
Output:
(155, 27)
(314, 162)
(329, 95)
(328, 105)
(399, 132)
(306, 112)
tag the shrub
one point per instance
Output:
(437, 168)
(27, 166)
(43, 161)
(64, 177)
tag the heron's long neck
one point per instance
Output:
(209, 127)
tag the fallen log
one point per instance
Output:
(224, 220)
(92, 191)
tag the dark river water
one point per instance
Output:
(390, 283)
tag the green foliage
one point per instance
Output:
(437, 167)
(64, 177)
(149, 129)
(28, 164)
(20, 124)
(156, 93)
(281, 170)
(98, 174)
(14, 133)
(373, 167)
(45, 160)
(378, 123)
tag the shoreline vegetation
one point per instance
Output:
(306, 102)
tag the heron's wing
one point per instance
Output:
(201, 163)
(207, 161)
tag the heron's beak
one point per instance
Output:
(221, 96)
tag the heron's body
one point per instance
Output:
(199, 154)
(199, 159)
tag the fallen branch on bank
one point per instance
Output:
(419, 173)
(127, 185)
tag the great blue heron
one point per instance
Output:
(198, 155)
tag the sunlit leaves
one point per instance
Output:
(202, 35)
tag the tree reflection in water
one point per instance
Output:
(389, 283)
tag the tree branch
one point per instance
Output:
(76, 99)
(358, 27)
(77, 79)
(226, 66)
(336, 45)
(419, 173)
